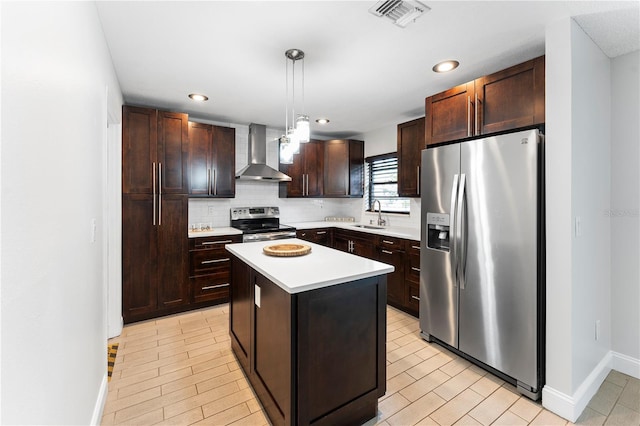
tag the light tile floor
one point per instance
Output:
(180, 370)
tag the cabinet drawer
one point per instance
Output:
(213, 243)
(207, 288)
(391, 242)
(204, 262)
(413, 261)
(318, 236)
(412, 296)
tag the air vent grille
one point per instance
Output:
(401, 12)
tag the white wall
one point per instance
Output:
(578, 230)
(56, 70)
(625, 205)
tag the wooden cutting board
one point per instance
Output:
(287, 250)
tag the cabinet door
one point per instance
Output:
(240, 310)
(139, 149)
(173, 251)
(199, 158)
(410, 144)
(449, 114)
(511, 98)
(395, 280)
(336, 168)
(295, 171)
(356, 168)
(139, 256)
(341, 241)
(173, 152)
(313, 167)
(224, 162)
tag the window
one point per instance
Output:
(382, 184)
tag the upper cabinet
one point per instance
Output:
(505, 100)
(326, 169)
(344, 168)
(212, 161)
(306, 172)
(410, 145)
(155, 151)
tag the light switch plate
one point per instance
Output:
(256, 296)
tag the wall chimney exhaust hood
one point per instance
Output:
(257, 168)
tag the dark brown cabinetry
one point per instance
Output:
(344, 168)
(306, 172)
(410, 146)
(358, 243)
(505, 100)
(412, 277)
(154, 213)
(304, 365)
(323, 236)
(391, 251)
(154, 255)
(209, 268)
(212, 160)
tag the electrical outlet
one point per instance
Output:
(597, 330)
(212, 210)
(94, 228)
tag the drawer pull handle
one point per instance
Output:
(415, 269)
(415, 247)
(387, 252)
(321, 232)
(387, 242)
(415, 297)
(208, 243)
(206, 262)
(211, 287)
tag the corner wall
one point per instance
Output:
(578, 230)
(624, 213)
(56, 73)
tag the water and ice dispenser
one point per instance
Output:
(438, 234)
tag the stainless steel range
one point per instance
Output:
(260, 224)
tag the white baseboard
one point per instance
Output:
(625, 364)
(98, 409)
(571, 406)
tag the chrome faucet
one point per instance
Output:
(381, 221)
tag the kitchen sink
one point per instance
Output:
(369, 226)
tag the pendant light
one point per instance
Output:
(299, 131)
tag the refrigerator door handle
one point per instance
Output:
(461, 232)
(453, 250)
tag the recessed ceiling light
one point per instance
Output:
(198, 97)
(445, 66)
(322, 120)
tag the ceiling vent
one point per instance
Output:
(401, 12)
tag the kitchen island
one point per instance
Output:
(310, 332)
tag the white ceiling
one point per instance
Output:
(361, 71)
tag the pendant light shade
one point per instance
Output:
(296, 125)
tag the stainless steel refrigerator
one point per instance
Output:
(482, 255)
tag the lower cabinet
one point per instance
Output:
(358, 243)
(412, 277)
(304, 364)
(391, 251)
(210, 267)
(323, 236)
(154, 256)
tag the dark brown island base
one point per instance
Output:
(310, 336)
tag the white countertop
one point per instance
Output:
(215, 232)
(323, 267)
(391, 231)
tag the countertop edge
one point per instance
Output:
(399, 232)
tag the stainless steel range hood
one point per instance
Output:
(257, 168)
